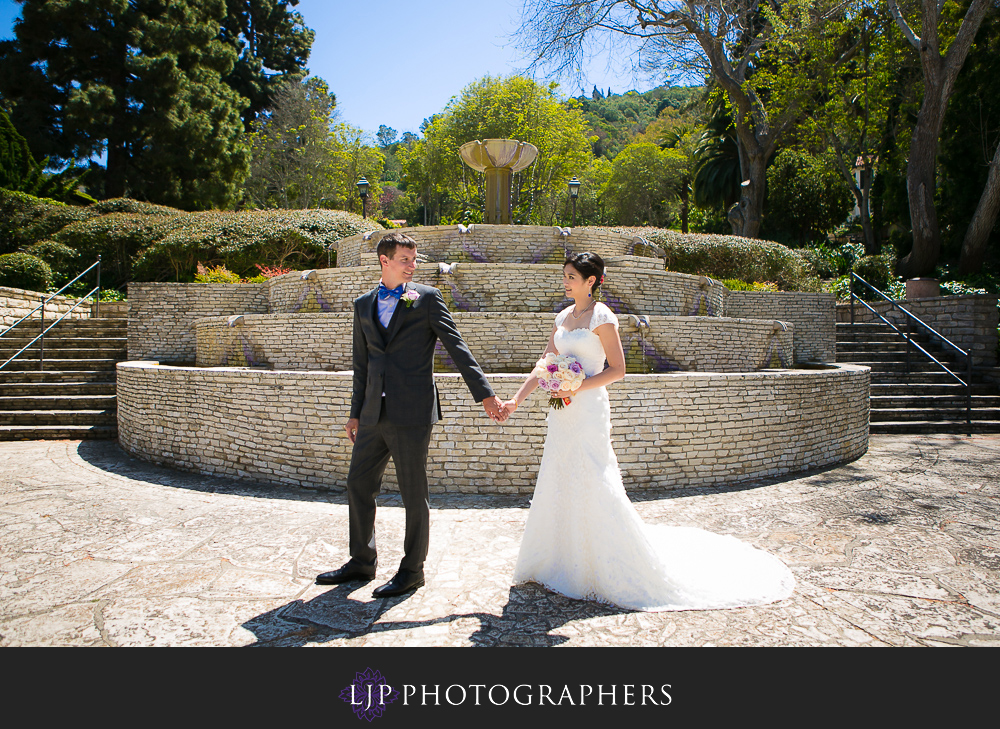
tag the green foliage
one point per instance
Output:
(643, 177)
(24, 271)
(144, 242)
(506, 108)
(615, 119)
(301, 159)
(806, 198)
(216, 274)
(735, 284)
(731, 257)
(272, 44)
(26, 219)
(139, 79)
(240, 240)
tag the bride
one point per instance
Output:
(583, 537)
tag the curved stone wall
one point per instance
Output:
(501, 343)
(670, 431)
(494, 244)
(628, 289)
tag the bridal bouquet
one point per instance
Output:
(556, 372)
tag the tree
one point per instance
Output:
(511, 108)
(19, 171)
(941, 58)
(291, 147)
(720, 40)
(386, 136)
(303, 158)
(970, 150)
(272, 45)
(643, 177)
(806, 197)
(138, 79)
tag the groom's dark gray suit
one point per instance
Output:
(396, 403)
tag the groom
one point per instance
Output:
(394, 407)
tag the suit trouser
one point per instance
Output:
(407, 446)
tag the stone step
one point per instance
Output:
(935, 426)
(31, 389)
(58, 417)
(57, 402)
(17, 342)
(57, 352)
(28, 376)
(929, 402)
(58, 432)
(931, 415)
(63, 364)
(918, 389)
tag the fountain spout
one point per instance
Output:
(498, 159)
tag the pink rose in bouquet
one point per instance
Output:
(557, 372)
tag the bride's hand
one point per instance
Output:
(510, 406)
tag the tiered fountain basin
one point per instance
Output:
(496, 244)
(509, 342)
(685, 429)
(633, 285)
(710, 399)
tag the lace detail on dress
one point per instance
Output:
(602, 315)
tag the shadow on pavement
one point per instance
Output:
(529, 618)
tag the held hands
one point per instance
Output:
(494, 407)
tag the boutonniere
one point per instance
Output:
(409, 297)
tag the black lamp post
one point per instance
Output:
(363, 191)
(574, 193)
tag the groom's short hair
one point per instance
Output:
(389, 243)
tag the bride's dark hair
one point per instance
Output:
(588, 264)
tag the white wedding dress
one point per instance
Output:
(584, 539)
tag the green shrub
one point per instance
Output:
(735, 284)
(24, 271)
(730, 257)
(240, 240)
(25, 219)
(62, 259)
(216, 274)
(877, 270)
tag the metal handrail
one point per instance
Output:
(41, 359)
(96, 292)
(967, 383)
(52, 296)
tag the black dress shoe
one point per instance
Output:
(348, 573)
(401, 583)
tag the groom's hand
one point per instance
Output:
(352, 428)
(494, 408)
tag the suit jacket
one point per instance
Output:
(399, 360)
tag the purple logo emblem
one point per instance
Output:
(369, 694)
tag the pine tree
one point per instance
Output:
(272, 44)
(139, 79)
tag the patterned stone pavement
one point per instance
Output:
(899, 548)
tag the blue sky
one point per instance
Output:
(396, 62)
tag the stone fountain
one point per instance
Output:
(252, 381)
(498, 160)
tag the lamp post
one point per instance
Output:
(363, 192)
(574, 193)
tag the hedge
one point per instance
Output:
(24, 271)
(730, 257)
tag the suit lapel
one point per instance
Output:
(371, 307)
(397, 315)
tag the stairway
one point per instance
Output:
(924, 400)
(72, 396)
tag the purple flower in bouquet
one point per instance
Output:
(553, 368)
(576, 368)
